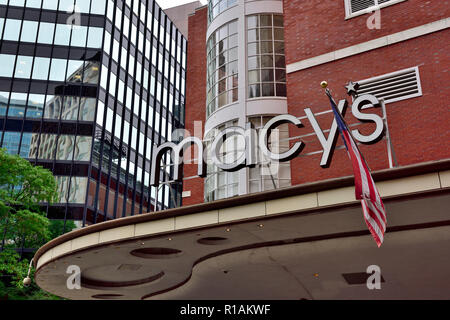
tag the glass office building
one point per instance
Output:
(87, 88)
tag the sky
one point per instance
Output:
(164, 4)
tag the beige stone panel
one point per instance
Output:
(85, 241)
(46, 257)
(62, 249)
(409, 185)
(153, 227)
(336, 196)
(445, 179)
(242, 212)
(116, 233)
(197, 220)
(305, 201)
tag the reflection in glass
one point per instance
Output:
(87, 109)
(17, 105)
(222, 71)
(77, 192)
(35, 106)
(75, 71)
(52, 108)
(4, 97)
(25, 145)
(46, 147)
(83, 148)
(70, 108)
(65, 147)
(11, 142)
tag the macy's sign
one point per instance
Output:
(252, 139)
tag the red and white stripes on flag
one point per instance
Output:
(365, 189)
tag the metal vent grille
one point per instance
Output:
(392, 87)
(359, 5)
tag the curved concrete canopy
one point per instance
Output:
(254, 248)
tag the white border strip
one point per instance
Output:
(370, 45)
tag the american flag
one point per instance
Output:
(365, 189)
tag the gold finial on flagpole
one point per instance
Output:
(324, 84)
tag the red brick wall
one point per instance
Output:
(419, 127)
(316, 27)
(195, 96)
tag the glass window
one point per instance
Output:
(7, 63)
(47, 146)
(77, 191)
(62, 34)
(19, 3)
(4, 97)
(87, 109)
(98, 7)
(52, 108)
(35, 105)
(268, 175)
(11, 142)
(12, 30)
(17, 105)
(118, 18)
(91, 72)
(41, 68)
(25, 145)
(46, 31)
(109, 119)
(66, 5)
(100, 113)
(50, 4)
(58, 70)
(34, 3)
(82, 149)
(23, 67)
(29, 31)
(266, 62)
(75, 71)
(109, 12)
(83, 5)
(65, 147)
(2, 22)
(216, 7)
(222, 73)
(79, 34)
(95, 37)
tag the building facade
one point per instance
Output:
(87, 88)
(293, 231)
(285, 50)
(245, 74)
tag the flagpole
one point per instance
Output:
(324, 84)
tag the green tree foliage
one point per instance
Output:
(58, 227)
(23, 188)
